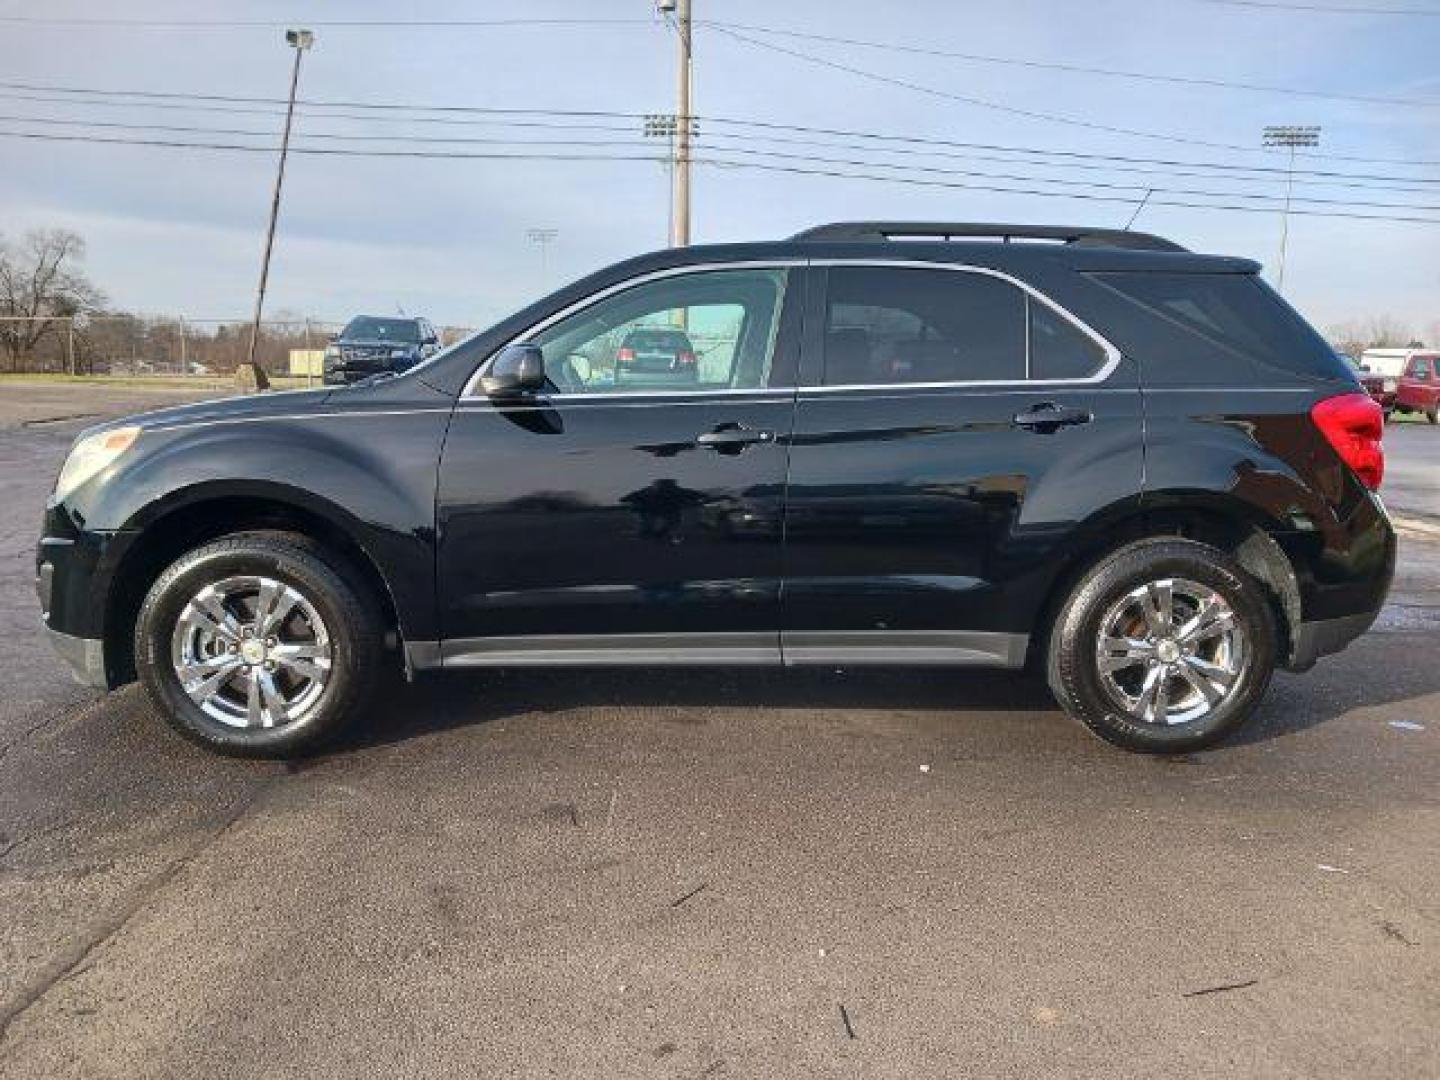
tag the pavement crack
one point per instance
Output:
(1223, 988)
(73, 960)
(845, 1019)
(680, 900)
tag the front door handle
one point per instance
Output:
(1047, 417)
(732, 438)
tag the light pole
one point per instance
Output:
(300, 41)
(1291, 137)
(541, 238)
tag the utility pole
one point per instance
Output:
(680, 225)
(1291, 137)
(300, 41)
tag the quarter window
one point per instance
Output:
(711, 330)
(1058, 348)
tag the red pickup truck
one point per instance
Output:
(1416, 389)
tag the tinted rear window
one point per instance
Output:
(1237, 312)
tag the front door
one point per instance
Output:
(630, 511)
(954, 431)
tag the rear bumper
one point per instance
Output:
(85, 657)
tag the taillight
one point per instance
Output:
(625, 356)
(686, 356)
(1353, 424)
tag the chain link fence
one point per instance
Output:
(177, 347)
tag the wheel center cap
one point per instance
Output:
(1167, 651)
(252, 651)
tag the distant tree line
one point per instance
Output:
(53, 318)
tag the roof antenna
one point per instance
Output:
(1138, 208)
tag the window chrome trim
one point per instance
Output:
(594, 298)
(1112, 354)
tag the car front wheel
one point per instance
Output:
(255, 645)
(1165, 646)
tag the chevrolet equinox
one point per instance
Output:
(1093, 452)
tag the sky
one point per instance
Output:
(179, 231)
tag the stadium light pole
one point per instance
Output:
(300, 41)
(1290, 137)
(542, 239)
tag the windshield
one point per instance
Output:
(369, 328)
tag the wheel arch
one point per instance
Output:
(1229, 524)
(186, 519)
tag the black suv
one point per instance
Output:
(374, 344)
(1132, 466)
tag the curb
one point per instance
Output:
(1416, 526)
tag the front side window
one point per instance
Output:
(896, 325)
(712, 330)
(1420, 368)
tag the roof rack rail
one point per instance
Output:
(1080, 236)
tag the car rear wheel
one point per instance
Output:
(254, 645)
(1433, 413)
(1165, 646)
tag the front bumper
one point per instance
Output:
(85, 656)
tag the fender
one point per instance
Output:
(377, 467)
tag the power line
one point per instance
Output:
(1060, 195)
(1014, 110)
(1042, 65)
(333, 24)
(387, 112)
(709, 141)
(1324, 9)
(720, 141)
(582, 23)
(727, 163)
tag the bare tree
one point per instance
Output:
(1385, 332)
(40, 284)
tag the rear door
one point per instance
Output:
(953, 430)
(609, 521)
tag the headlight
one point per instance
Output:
(91, 456)
(399, 354)
(1389, 386)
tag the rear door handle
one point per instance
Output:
(732, 438)
(1047, 417)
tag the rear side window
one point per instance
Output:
(1235, 311)
(899, 325)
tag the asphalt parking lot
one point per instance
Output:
(721, 874)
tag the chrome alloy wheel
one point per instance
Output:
(1170, 652)
(252, 652)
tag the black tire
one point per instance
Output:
(1072, 665)
(1433, 414)
(356, 632)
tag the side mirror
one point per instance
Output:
(519, 369)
